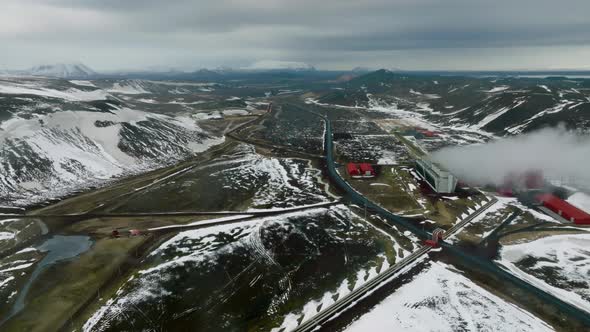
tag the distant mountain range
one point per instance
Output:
(62, 70)
(279, 65)
(79, 70)
(58, 70)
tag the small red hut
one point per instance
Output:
(353, 170)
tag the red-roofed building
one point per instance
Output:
(353, 170)
(564, 209)
(367, 170)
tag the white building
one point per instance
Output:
(437, 177)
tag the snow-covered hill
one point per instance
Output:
(558, 264)
(57, 135)
(499, 105)
(61, 70)
(441, 299)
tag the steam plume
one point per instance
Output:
(560, 154)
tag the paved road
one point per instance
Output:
(163, 214)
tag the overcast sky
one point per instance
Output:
(329, 34)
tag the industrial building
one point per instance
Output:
(564, 209)
(437, 177)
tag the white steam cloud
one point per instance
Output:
(559, 154)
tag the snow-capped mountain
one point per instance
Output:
(62, 70)
(279, 65)
(57, 136)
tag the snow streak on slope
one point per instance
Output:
(278, 182)
(83, 83)
(133, 87)
(34, 89)
(496, 114)
(444, 300)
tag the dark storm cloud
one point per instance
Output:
(472, 37)
(241, 31)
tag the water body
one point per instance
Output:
(59, 248)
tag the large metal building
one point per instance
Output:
(564, 209)
(437, 177)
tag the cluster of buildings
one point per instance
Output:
(529, 185)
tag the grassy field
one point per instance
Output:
(473, 232)
(100, 197)
(388, 189)
(395, 189)
(516, 238)
(446, 212)
(64, 288)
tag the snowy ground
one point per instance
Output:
(558, 264)
(580, 200)
(442, 299)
